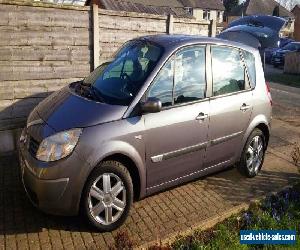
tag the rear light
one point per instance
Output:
(269, 93)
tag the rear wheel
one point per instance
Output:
(253, 154)
(108, 196)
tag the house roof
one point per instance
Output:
(259, 7)
(204, 4)
(72, 2)
(158, 7)
(297, 6)
(159, 3)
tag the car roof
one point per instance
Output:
(171, 42)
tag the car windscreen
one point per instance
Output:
(292, 46)
(118, 81)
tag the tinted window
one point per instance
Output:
(250, 63)
(292, 46)
(190, 78)
(228, 71)
(118, 82)
(163, 84)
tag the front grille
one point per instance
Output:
(33, 146)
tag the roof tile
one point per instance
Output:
(162, 8)
(204, 4)
(259, 7)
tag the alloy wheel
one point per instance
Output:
(107, 198)
(255, 153)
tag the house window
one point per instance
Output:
(189, 10)
(206, 14)
(220, 16)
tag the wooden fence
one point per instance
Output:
(292, 63)
(44, 47)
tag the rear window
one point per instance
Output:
(250, 64)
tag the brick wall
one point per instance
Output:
(44, 47)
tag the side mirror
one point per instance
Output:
(152, 105)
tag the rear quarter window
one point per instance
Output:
(250, 64)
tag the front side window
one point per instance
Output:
(119, 81)
(182, 79)
(163, 84)
(228, 71)
(190, 78)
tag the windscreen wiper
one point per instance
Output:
(96, 93)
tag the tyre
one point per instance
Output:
(253, 154)
(108, 196)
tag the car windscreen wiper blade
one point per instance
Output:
(96, 93)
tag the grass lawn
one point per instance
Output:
(281, 211)
(286, 79)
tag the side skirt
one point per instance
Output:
(188, 177)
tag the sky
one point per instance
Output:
(289, 4)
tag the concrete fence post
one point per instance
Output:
(96, 41)
(170, 24)
(213, 28)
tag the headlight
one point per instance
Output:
(58, 146)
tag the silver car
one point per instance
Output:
(167, 109)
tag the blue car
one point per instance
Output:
(278, 55)
(269, 51)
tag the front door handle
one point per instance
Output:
(245, 107)
(201, 117)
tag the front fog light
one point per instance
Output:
(58, 146)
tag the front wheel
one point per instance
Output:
(253, 154)
(108, 196)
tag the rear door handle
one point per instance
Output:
(245, 107)
(201, 117)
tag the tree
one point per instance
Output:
(230, 4)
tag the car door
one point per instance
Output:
(230, 106)
(176, 137)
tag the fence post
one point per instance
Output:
(213, 28)
(170, 24)
(96, 41)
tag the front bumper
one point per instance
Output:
(55, 187)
